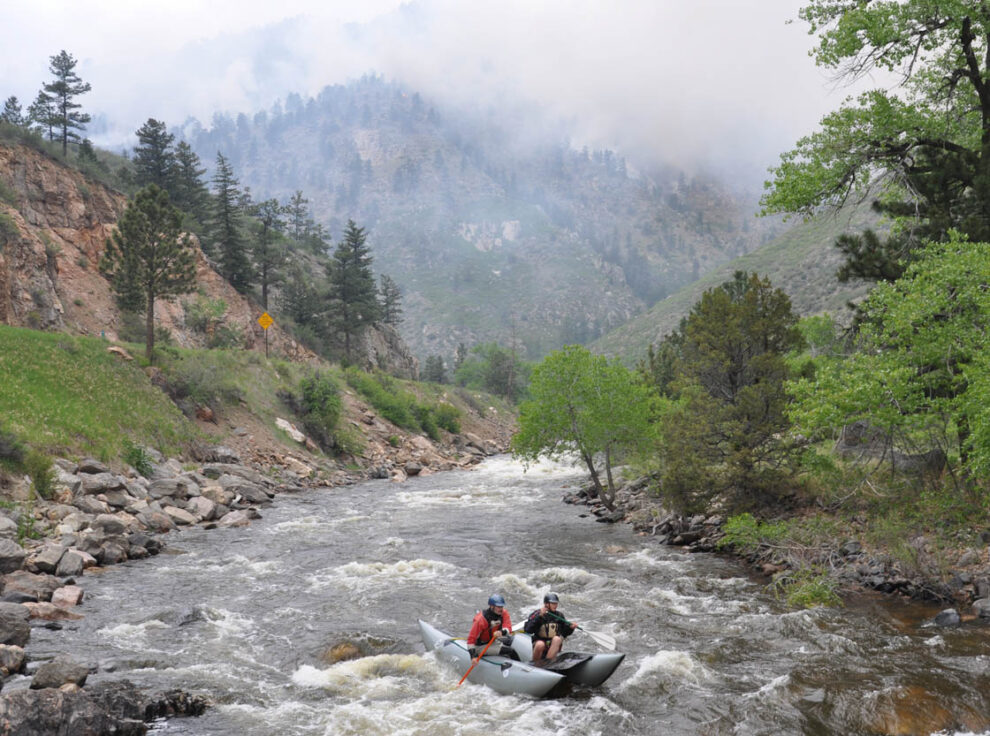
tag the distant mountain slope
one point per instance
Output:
(802, 261)
(490, 238)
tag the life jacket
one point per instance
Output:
(546, 628)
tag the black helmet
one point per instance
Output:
(496, 600)
(551, 598)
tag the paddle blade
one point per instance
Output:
(603, 640)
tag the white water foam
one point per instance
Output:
(132, 636)
(667, 667)
(362, 576)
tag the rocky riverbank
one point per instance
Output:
(99, 517)
(963, 584)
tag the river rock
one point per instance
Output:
(156, 521)
(91, 505)
(67, 596)
(46, 611)
(982, 608)
(47, 559)
(58, 672)
(71, 565)
(202, 508)
(52, 711)
(40, 585)
(215, 470)
(100, 483)
(180, 516)
(14, 627)
(235, 518)
(219, 495)
(113, 552)
(176, 489)
(11, 659)
(11, 556)
(948, 617)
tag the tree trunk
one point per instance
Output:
(599, 491)
(149, 329)
(609, 498)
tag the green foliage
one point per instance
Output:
(433, 370)
(68, 394)
(138, 458)
(322, 406)
(227, 230)
(401, 407)
(352, 292)
(490, 367)
(149, 257)
(195, 375)
(920, 372)
(727, 437)
(40, 469)
(394, 440)
(808, 588)
(11, 450)
(745, 534)
(582, 403)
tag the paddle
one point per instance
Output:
(478, 659)
(604, 640)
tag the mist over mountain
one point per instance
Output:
(493, 228)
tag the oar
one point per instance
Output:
(490, 641)
(604, 640)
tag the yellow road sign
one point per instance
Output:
(265, 321)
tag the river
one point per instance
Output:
(246, 614)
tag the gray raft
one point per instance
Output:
(509, 675)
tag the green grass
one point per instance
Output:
(67, 395)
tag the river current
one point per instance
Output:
(246, 616)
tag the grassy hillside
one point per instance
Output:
(801, 261)
(68, 395)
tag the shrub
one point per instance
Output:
(42, 473)
(808, 588)
(137, 457)
(448, 416)
(746, 534)
(321, 405)
(11, 450)
(8, 229)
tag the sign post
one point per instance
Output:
(266, 321)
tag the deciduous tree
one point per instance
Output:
(582, 403)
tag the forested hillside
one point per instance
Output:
(491, 231)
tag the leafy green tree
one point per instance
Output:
(63, 90)
(269, 250)
(924, 147)
(191, 194)
(41, 114)
(12, 112)
(154, 159)
(582, 403)
(148, 253)
(921, 372)
(391, 300)
(227, 228)
(495, 369)
(728, 433)
(353, 296)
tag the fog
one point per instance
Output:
(724, 83)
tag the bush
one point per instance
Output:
(746, 534)
(11, 450)
(195, 377)
(808, 588)
(321, 407)
(137, 457)
(8, 229)
(448, 417)
(42, 473)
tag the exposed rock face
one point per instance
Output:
(382, 348)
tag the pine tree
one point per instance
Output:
(353, 296)
(391, 298)
(41, 113)
(269, 250)
(228, 240)
(298, 214)
(149, 255)
(63, 90)
(12, 112)
(154, 159)
(298, 298)
(191, 194)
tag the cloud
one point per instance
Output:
(658, 80)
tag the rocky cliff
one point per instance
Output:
(55, 222)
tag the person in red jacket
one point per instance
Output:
(493, 621)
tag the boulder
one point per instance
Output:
(92, 466)
(12, 556)
(8, 527)
(67, 596)
(11, 659)
(14, 627)
(41, 586)
(235, 518)
(46, 611)
(47, 559)
(100, 483)
(180, 516)
(58, 672)
(71, 565)
(109, 524)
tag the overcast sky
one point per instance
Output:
(659, 80)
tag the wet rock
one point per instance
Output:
(948, 617)
(46, 611)
(112, 552)
(14, 627)
(234, 519)
(413, 468)
(58, 672)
